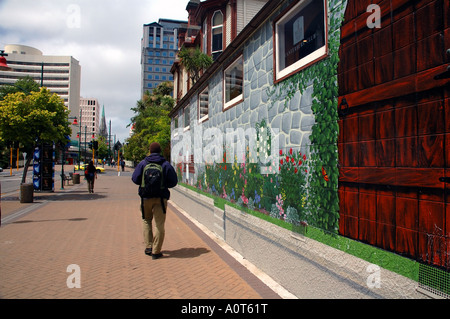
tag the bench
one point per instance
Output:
(67, 178)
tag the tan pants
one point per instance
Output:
(153, 210)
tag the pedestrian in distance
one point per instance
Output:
(154, 175)
(91, 175)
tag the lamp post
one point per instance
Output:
(3, 64)
(63, 150)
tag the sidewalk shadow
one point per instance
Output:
(49, 220)
(80, 195)
(185, 252)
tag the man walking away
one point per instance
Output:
(91, 174)
(155, 176)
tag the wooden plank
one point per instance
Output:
(409, 177)
(407, 85)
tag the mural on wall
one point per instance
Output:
(394, 136)
(363, 133)
(304, 188)
(280, 194)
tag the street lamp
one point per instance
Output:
(63, 149)
(3, 64)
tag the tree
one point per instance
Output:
(194, 61)
(102, 151)
(34, 118)
(25, 85)
(151, 123)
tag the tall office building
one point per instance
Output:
(60, 74)
(90, 120)
(159, 46)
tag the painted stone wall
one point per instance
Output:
(302, 110)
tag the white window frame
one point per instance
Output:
(320, 53)
(175, 125)
(238, 98)
(187, 126)
(205, 36)
(215, 27)
(204, 93)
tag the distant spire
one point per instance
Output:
(103, 129)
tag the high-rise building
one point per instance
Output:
(90, 119)
(159, 46)
(60, 74)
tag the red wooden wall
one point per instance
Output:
(394, 140)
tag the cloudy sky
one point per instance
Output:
(103, 35)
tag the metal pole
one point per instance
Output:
(10, 162)
(79, 145)
(62, 167)
(85, 139)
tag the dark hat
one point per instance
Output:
(155, 148)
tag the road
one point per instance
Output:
(10, 181)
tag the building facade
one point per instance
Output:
(212, 26)
(319, 112)
(158, 49)
(60, 74)
(90, 119)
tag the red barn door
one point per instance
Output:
(394, 139)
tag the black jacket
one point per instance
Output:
(170, 176)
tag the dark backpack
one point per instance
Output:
(152, 185)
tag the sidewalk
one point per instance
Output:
(101, 234)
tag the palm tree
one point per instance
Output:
(194, 61)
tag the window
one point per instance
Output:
(187, 118)
(203, 105)
(233, 83)
(205, 37)
(217, 34)
(300, 37)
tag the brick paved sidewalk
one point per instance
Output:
(101, 233)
